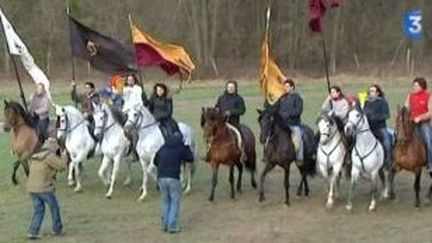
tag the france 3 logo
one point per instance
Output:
(412, 23)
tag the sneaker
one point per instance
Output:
(33, 237)
(174, 231)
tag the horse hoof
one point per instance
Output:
(349, 208)
(140, 199)
(78, 190)
(372, 208)
(254, 185)
(186, 191)
(211, 199)
(287, 203)
(261, 198)
(71, 183)
(329, 205)
(108, 197)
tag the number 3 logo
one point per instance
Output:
(415, 24)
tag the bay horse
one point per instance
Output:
(410, 152)
(25, 139)
(224, 148)
(279, 150)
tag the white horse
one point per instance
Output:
(113, 144)
(330, 154)
(367, 156)
(73, 130)
(150, 140)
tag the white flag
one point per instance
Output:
(17, 47)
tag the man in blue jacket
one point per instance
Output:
(169, 159)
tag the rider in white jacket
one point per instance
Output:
(132, 93)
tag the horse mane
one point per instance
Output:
(19, 109)
(117, 115)
(280, 122)
(73, 111)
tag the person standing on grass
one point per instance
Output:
(44, 164)
(168, 160)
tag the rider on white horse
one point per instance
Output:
(337, 105)
(232, 105)
(290, 108)
(377, 112)
(161, 107)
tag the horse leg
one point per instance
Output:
(114, 173)
(392, 173)
(128, 179)
(303, 177)
(15, 167)
(239, 180)
(417, 188)
(331, 192)
(25, 166)
(144, 181)
(429, 194)
(354, 176)
(102, 170)
(71, 174)
(231, 181)
(286, 183)
(214, 181)
(77, 169)
(306, 187)
(267, 168)
(188, 171)
(374, 191)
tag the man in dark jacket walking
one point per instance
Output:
(290, 108)
(231, 104)
(168, 160)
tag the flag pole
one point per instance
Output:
(141, 81)
(16, 72)
(323, 45)
(71, 58)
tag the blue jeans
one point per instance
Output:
(170, 190)
(39, 200)
(385, 139)
(298, 133)
(425, 131)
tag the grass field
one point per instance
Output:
(89, 217)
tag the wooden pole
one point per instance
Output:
(71, 57)
(16, 73)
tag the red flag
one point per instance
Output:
(317, 9)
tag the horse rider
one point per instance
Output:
(113, 92)
(290, 108)
(39, 108)
(232, 106)
(86, 100)
(419, 104)
(133, 94)
(161, 106)
(377, 112)
(337, 104)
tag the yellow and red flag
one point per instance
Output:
(151, 52)
(271, 77)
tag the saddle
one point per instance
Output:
(239, 139)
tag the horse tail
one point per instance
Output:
(249, 148)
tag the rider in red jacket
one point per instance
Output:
(419, 103)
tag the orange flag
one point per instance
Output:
(151, 52)
(271, 77)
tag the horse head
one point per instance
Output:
(356, 121)
(62, 122)
(327, 127)
(265, 120)
(404, 127)
(212, 120)
(100, 116)
(15, 116)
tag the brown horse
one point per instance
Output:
(25, 138)
(410, 152)
(224, 149)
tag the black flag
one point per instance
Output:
(103, 52)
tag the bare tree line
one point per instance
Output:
(223, 35)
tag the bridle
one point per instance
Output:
(136, 125)
(66, 128)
